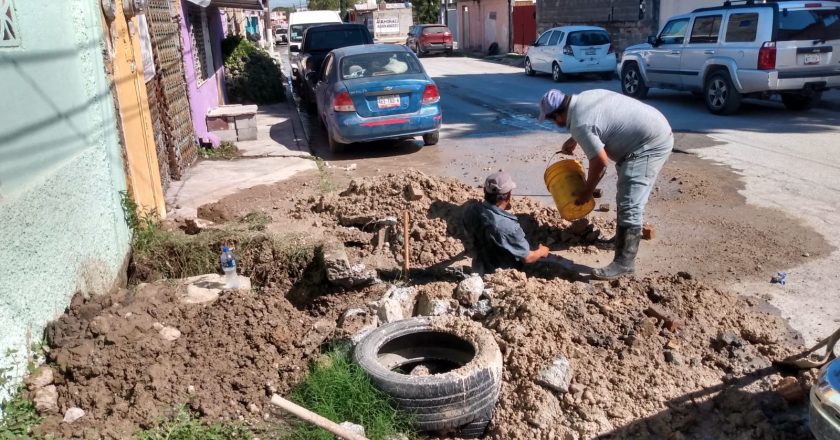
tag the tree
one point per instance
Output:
(426, 11)
(319, 5)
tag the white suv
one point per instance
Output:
(748, 50)
(569, 50)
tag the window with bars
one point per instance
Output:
(202, 52)
(8, 27)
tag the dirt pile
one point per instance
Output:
(436, 207)
(708, 376)
(112, 357)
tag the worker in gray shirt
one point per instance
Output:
(497, 238)
(637, 137)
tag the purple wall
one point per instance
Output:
(205, 95)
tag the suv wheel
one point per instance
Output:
(556, 74)
(720, 94)
(528, 69)
(800, 101)
(632, 83)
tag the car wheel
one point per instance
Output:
(720, 94)
(335, 146)
(431, 138)
(798, 102)
(528, 69)
(632, 83)
(463, 387)
(556, 74)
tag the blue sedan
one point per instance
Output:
(376, 91)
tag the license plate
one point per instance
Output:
(590, 52)
(388, 101)
(812, 59)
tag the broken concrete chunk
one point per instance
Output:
(202, 289)
(339, 270)
(358, 429)
(433, 307)
(73, 414)
(405, 296)
(42, 377)
(604, 207)
(390, 310)
(169, 333)
(413, 192)
(557, 376)
(46, 400)
(469, 291)
(481, 309)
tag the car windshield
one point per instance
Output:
(435, 30)
(809, 24)
(379, 64)
(296, 30)
(325, 41)
(588, 38)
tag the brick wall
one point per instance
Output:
(619, 17)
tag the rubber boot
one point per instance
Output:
(626, 247)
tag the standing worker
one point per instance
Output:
(636, 136)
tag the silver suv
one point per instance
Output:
(745, 50)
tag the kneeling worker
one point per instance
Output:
(495, 233)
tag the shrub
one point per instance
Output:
(251, 74)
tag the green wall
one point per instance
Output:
(61, 225)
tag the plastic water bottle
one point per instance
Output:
(229, 266)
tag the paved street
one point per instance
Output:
(784, 159)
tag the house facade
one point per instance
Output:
(61, 168)
(482, 23)
(628, 21)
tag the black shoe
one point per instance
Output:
(626, 247)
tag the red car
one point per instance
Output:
(429, 38)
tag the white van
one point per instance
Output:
(299, 21)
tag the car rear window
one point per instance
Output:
(588, 38)
(325, 41)
(379, 64)
(296, 30)
(809, 24)
(742, 28)
(435, 30)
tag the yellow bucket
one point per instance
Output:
(563, 179)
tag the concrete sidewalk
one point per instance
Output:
(279, 152)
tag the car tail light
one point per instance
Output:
(767, 56)
(430, 94)
(343, 103)
(813, 5)
(567, 50)
(611, 49)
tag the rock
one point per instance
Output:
(604, 207)
(413, 192)
(339, 270)
(429, 306)
(790, 389)
(100, 325)
(73, 414)
(319, 333)
(597, 193)
(655, 295)
(420, 370)
(46, 400)
(481, 309)
(469, 291)
(203, 289)
(672, 357)
(195, 225)
(405, 296)
(389, 311)
(253, 408)
(169, 333)
(558, 376)
(358, 429)
(42, 377)
(649, 232)
(726, 338)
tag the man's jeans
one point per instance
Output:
(636, 175)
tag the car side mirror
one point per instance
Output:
(535, 44)
(294, 49)
(653, 40)
(312, 77)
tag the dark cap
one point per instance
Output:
(499, 183)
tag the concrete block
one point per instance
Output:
(226, 135)
(245, 121)
(233, 110)
(218, 123)
(246, 134)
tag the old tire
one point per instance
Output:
(632, 83)
(720, 95)
(431, 138)
(528, 69)
(799, 102)
(556, 73)
(462, 396)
